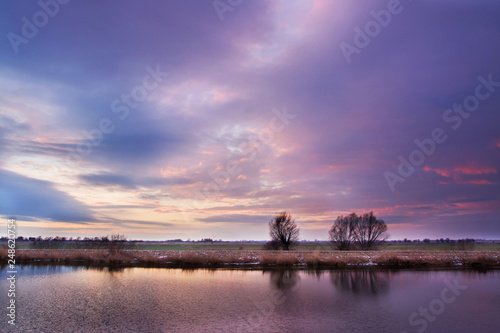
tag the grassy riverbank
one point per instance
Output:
(316, 259)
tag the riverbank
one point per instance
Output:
(259, 258)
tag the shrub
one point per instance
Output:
(271, 246)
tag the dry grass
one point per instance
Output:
(481, 261)
(279, 258)
(393, 260)
(439, 259)
(335, 259)
(257, 258)
(69, 256)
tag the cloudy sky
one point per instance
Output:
(194, 119)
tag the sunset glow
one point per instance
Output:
(158, 120)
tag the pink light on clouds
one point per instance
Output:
(353, 120)
(474, 170)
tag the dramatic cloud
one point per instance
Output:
(163, 114)
(22, 196)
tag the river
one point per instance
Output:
(71, 299)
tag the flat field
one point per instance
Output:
(254, 246)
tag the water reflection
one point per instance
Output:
(31, 270)
(362, 282)
(358, 282)
(70, 299)
(283, 279)
(317, 273)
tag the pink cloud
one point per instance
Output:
(474, 170)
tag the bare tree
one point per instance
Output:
(284, 230)
(369, 231)
(341, 232)
(116, 243)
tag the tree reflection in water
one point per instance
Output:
(362, 282)
(283, 279)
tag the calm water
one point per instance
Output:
(66, 299)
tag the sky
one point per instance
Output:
(193, 119)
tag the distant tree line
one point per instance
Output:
(437, 241)
(114, 242)
(348, 232)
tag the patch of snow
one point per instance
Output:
(370, 263)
